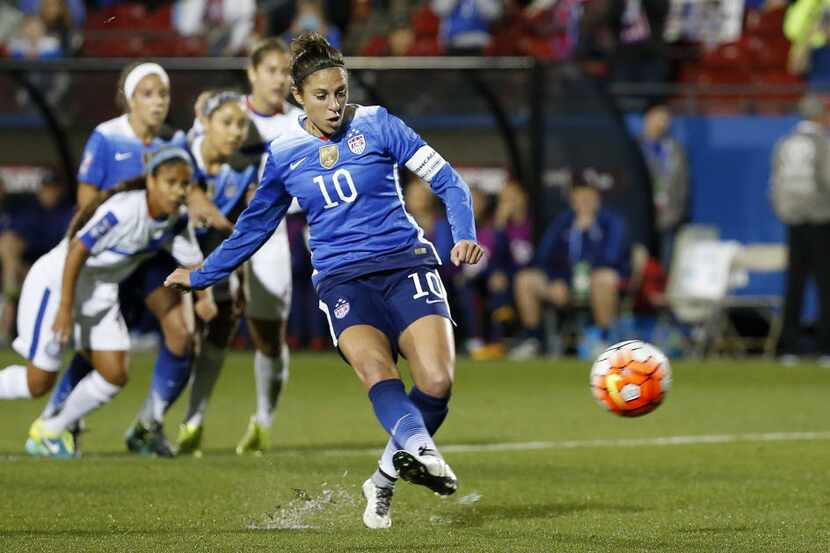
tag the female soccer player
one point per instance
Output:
(115, 153)
(267, 277)
(73, 292)
(375, 274)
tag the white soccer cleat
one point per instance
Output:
(378, 505)
(427, 469)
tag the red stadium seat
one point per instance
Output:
(425, 23)
(765, 23)
(767, 53)
(726, 56)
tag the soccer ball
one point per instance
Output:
(631, 378)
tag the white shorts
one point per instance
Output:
(267, 283)
(98, 322)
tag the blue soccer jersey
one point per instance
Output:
(114, 153)
(348, 186)
(228, 187)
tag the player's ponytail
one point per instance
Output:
(83, 215)
(311, 52)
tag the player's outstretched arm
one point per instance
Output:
(75, 259)
(256, 224)
(466, 251)
(179, 279)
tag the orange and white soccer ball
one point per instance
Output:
(631, 378)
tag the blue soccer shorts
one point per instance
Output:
(389, 301)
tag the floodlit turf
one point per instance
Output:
(758, 494)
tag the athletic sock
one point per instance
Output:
(206, 368)
(170, 376)
(270, 375)
(90, 393)
(399, 416)
(13, 383)
(78, 368)
(433, 409)
(383, 480)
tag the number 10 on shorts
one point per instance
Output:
(433, 283)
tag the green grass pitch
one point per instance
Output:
(748, 473)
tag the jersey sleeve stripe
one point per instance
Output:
(91, 237)
(426, 163)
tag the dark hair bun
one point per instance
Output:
(311, 52)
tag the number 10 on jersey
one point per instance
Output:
(339, 178)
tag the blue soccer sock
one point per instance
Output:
(399, 416)
(78, 368)
(433, 410)
(170, 376)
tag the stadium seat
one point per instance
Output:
(765, 23)
(765, 53)
(425, 23)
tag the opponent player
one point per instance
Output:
(115, 153)
(267, 277)
(375, 274)
(73, 292)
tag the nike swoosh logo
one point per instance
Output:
(435, 301)
(53, 449)
(121, 156)
(297, 163)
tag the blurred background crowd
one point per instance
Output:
(702, 88)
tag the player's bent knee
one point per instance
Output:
(178, 338)
(374, 367)
(40, 382)
(436, 385)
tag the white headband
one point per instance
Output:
(141, 71)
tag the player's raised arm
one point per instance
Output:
(419, 157)
(256, 224)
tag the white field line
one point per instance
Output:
(621, 442)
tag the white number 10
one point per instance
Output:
(348, 198)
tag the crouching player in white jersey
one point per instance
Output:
(71, 293)
(266, 277)
(375, 273)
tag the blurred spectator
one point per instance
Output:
(33, 40)
(630, 34)
(581, 261)
(10, 18)
(807, 26)
(48, 34)
(565, 21)
(227, 24)
(310, 16)
(465, 24)
(34, 224)
(669, 170)
(483, 288)
(800, 194)
(710, 22)
(75, 10)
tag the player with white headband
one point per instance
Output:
(116, 152)
(71, 293)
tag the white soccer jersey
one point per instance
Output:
(271, 126)
(120, 236)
